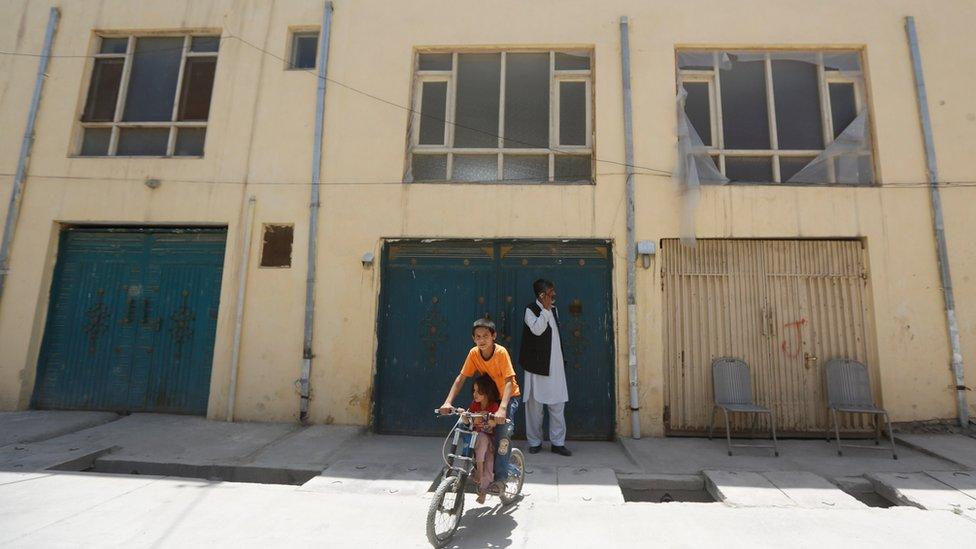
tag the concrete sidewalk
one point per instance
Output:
(62, 509)
(339, 459)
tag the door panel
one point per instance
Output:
(431, 295)
(105, 347)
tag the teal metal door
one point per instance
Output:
(132, 320)
(433, 291)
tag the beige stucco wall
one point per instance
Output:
(260, 133)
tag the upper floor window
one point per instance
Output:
(522, 116)
(304, 50)
(149, 96)
(779, 116)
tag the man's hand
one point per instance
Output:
(445, 409)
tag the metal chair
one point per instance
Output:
(732, 387)
(849, 391)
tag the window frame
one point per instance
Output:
(117, 123)
(825, 78)
(294, 35)
(553, 149)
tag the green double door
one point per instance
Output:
(132, 320)
(433, 291)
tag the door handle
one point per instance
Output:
(809, 360)
(152, 324)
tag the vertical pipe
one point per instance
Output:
(940, 242)
(313, 222)
(239, 306)
(631, 245)
(13, 209)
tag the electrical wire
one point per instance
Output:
(362, 182)
(374, 97)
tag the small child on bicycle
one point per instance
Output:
(486, 399)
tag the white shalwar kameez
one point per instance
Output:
(549, 391)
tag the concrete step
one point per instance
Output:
(812, 491)
(585, 484)
(355, 477)
(745, 489)
(925, 491)
(777, 489)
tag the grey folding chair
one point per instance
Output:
(849, 391)
(732, 387)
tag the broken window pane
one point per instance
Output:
(797, 101)
(530, 168)
(205, 44)
(143, 141)
(698, 109)
(198, 80)
(527, 100)
(103, 91)
(435, 61)
(573, 168)
(790, 166)
(113, 45)
(697, 60)
(304, 49)
(745, 119)
(753, 169)
(472, 167)
(850, 61)
(189, 141)
(432, 109)
(276, 248)
(478, 83)
(429, 167)
(572, 113)
(843, 106)
(572, 61)
(95, 141)
(152, 86)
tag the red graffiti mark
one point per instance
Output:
(791, 346)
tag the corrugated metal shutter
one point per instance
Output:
(786, 307)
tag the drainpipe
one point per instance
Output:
(13, 209)
(235, 358)
(313, 222)
(932, 173)
(631, 245)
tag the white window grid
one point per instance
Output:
(825, 78)
(554, 147)
(173, 124)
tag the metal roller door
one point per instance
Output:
(786, 307)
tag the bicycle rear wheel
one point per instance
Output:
(444, 513)
(516, 477)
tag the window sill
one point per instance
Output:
(138, 156)
(773, 184)
(517, 183)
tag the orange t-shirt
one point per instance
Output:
(498, 367)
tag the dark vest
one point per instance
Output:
(536, 350)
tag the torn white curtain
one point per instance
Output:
(694, 166)
(849, 156)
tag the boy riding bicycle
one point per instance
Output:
(489, 358)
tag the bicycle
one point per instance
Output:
(448, 502)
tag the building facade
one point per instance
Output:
(159, 260)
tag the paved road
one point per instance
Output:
(59, 509)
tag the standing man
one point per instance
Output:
(541, 355)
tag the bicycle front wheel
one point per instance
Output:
(516, 477)
(444, 513)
